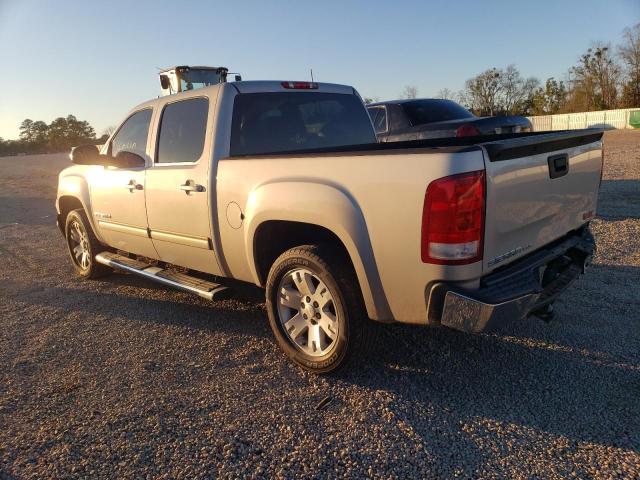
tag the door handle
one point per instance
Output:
(190, 186)
(133, 185)
(558, 165)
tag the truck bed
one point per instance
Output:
(499, 147)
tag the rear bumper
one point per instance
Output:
(516, 291)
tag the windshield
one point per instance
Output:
(420, 112)
(193, 79)
(281, 122)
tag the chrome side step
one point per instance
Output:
(177, 280)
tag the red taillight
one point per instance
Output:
(467, 130)
(453, 219)
(300, 85)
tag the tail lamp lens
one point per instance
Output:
(467, 130)
(453, 219)
(300, 85)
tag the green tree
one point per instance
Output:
(26, 130)
(595, 81)
(629, 53)
(550, 99)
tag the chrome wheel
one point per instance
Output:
(79, 245)
(307, 312)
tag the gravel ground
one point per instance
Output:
(121, 378)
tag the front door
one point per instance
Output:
(118, 194)
(178, 187)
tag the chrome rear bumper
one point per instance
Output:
(473, 316)
(516, 292)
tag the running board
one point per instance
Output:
(177, 280)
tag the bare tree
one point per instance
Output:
(410, 91)
(629, 53)
(109, 130)
(516, 92)
(447, 94)
(482, 91)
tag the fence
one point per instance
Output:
(621, 118)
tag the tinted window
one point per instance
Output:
(379, 118)
(182, 131)
(281, 122)
(430, 111)
(132, 136)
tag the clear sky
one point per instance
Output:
(97, 59)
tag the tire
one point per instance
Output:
(83, 246)
(299, 309)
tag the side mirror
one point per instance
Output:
(126, 159)
(86, 155)
(238, 78)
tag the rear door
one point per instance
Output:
(178, 186)
(539, 188)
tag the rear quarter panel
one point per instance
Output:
(386, 189)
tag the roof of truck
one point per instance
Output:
(249, 86)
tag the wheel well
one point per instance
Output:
(66, 204)
(275, 237)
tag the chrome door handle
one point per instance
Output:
(190, 186)
(133, 185)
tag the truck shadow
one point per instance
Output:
(481, 382)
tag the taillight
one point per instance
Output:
(453, 219)
(467, 130)
(300, 85)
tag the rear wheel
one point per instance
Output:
(83, 246)
(315, 308)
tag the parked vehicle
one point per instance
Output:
(417, 119)
(283, 184)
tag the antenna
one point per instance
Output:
(311, 74)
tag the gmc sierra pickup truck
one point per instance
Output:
(283, 184)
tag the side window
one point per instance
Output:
(379, 118)
(132, 135)
(182, 131)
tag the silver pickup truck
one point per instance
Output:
(282, 184)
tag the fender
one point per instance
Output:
(327, 206)
(74, 184)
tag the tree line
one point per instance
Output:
(603, 78)
(59, 135)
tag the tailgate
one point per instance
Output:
(539, 188)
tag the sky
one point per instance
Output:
(98, 59)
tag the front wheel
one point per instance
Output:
(315, 307)
(83, 246)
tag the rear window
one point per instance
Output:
(420, 112)
(282, 122)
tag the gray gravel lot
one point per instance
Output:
(121, 378)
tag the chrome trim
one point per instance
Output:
(473, 316)
(197, 242)
(118, 227)
(151, 273)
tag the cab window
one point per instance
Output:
(183, 129)
(379, 118)
(132, 135)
